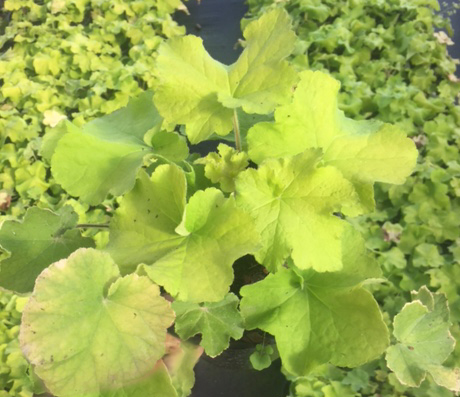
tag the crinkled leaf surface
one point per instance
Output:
(106, 154)
(364, 151)
(292, 201)
(320, 317)
(43, 237)
(188, 248)
(87, 330)
(217, 322)
(424, 342)
(200, 92)
(224, 166)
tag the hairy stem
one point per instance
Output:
(236, 129)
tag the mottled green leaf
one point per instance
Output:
(155, 384)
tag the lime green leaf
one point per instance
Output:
(386, 155)
(105, 156)
(189, 249)
(427, 255)
(328, 316)
(155, 384)
(200, 92)
(43, 237)
(189, 82)
(424, 342)
(86, 330)
(260, 79)
(293, 201)
(215, 233)
(309, 121)
(52, 138)
(143, 228)
(169, 144)
(223, 167)
(261, 359)
(216, 322)
(364, 151)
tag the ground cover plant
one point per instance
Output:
(284, 194)
(392, 62)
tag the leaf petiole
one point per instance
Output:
(93, 225)
(236, 129)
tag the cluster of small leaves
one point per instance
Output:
(14, 377)
(391, 58)
(68, 59)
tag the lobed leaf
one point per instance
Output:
(104, 157)
(217, 322)
(364, 151)
(187, 248)
(201, 93)
(331, 322)
(87, 331)
(292, 201)
(424, 342)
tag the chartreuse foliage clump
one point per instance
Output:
(68, 59)
(96, 322)
(15, 378)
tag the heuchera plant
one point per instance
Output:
(96, 322)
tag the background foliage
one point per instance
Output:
(391, 59)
